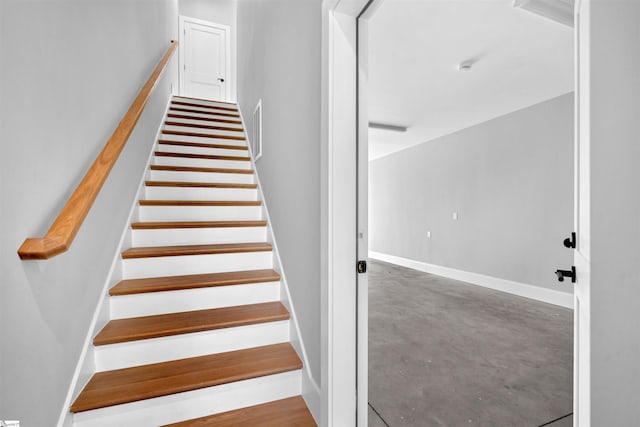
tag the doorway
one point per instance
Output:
(471, 181)
(343, 74)
(605, 290)
(205, 59)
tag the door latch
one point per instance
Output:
(570, 242)
(362, 267)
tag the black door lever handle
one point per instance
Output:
(566, 273)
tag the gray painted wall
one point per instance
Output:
(69, 71)
(221, 12)
(509, 179)
(615, 209)
(279, 49)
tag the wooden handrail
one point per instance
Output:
(63, 230)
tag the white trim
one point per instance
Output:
(230, 79)
(537, 293)
(338, 214)
(310, 388)
(86, 362)
(582, 217)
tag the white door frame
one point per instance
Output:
(582, 256)
(344, 328)
(230, 80)
(344, 395)
(338, 201)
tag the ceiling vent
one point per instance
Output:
(557, 10)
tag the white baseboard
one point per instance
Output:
(538, 293)
(311, 394)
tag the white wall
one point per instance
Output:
(615, 211)
(510, 180)
(220, 12)
(69, 71)
(279, 44)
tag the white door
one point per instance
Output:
(582, 255)
(204, 59)
(362, 219)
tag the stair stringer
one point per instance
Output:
(86, 365)
(311, 392)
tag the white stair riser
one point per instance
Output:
(206, 140)
(204, 102)
(200, 193)
(198, 236)
(207, 163)
(234, 178)
(200, 213)
(206, 107)
(138, 268)
(204, 130)
(149, 304)
(202, 150)
(194, 404)
(199, 115)
(222, 123)
(157, 350)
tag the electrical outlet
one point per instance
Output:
(455, 216)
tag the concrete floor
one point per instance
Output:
(447, 353)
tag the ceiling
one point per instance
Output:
(519, 59)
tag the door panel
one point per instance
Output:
(205, 61)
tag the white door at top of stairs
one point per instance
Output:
(204, 59)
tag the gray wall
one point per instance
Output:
(509, 179)
(69, 71)
(221, 12)
(615, 211)
(279, 48)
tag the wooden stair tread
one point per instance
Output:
(148, 202)
(203, 145)
(199, 169)
(195, 104)
(193, 281)
(202, 135)
(163, 325)
(207, 119)
(196, 224)
(291, 412)
(201, 126)
(191, 110)
(160, 379)
(189, 184)
(201, 156)
(182, 250)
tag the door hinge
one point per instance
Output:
(362, 267)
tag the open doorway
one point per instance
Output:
(471, 148)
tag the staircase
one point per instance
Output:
(197, 334)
